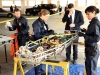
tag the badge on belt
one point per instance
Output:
(20, 24)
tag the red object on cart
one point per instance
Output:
(14, 45)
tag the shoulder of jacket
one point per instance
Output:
(78, 11)
(96, 21)
(37, 21)
(23, 18)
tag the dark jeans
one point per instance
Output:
(75, 51)
(91, 63)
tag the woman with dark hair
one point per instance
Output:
(40, 29)
(91, 36)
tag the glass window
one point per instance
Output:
(90, 2)
(63, 2)
(7, 3)
(18, 3)
(81, 2)
(71, 1)
(31, 3)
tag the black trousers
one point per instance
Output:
(75, 51)
(91, 63)
(38, 70)
(22, 40)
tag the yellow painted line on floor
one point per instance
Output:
(60, 22)
(5, 21)
(31, 18)
(26, 18)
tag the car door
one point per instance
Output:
(37, 9)
(3, 12)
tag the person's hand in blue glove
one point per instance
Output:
(83, 30)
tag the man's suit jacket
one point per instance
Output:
(78, 20)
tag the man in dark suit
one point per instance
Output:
(74, 19)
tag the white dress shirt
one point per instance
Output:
(73, 16)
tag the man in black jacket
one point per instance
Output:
(74, 19)
(21, 25)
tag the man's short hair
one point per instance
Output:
(71, 5)
(16, 10)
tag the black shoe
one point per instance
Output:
(67, 60)
(74, 62)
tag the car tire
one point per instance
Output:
(28, 13)
(9, 15)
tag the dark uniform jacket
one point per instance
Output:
(21, 25)
(40, 29)
(92, 35)
(78, 20)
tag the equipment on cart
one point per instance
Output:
(49, 46)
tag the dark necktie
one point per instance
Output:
(70, 19)
(71, 28)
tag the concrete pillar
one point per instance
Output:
(58, 3)
(41, 2)
(13, 2)
(49, 1)
(23, 6)
(76, 3)
(0, 3)
(27, 3)
(96, 3)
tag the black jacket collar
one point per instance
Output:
(93, 19)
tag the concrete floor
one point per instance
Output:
(54, 23)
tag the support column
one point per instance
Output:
(13, 2)
(76, 3)
(41, 2)
(27, 3)
(96, 3)
(35, 2)
(49, 1)
(23, 7)
(0, 3)
(58, 3)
